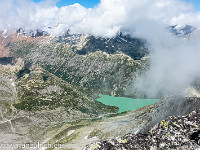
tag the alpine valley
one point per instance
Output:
(49, 86)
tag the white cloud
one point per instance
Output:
(106, 19)
(187, 18)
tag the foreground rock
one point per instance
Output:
(176, 132)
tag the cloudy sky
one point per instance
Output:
(93, 3)
(105, 18)
(101, 18)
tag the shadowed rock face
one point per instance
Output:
(133, 47)
(36, 33)
(7, 60)
(195, 137)
(24, 70)
(39, 33)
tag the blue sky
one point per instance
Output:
(85, 3)
(92, 3)
(196, 4)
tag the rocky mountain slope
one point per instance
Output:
(103, 68)
(48, 90)
(33, 100)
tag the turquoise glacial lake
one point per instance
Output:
(124, 103)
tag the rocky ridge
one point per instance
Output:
(175, 132)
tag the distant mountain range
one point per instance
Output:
(182, 31)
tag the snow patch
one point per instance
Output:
(70, 132)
